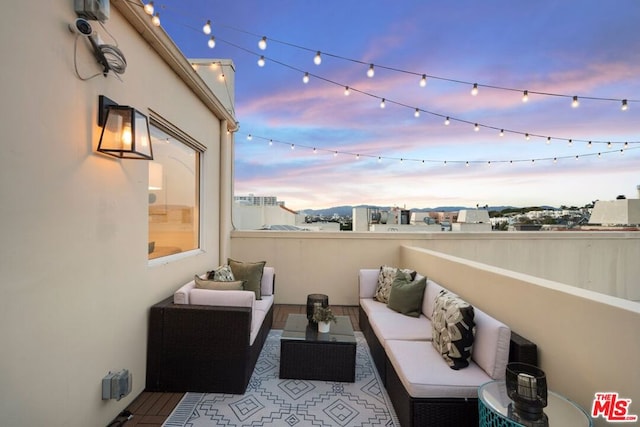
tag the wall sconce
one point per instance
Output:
(125, 131)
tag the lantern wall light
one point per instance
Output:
(125, 131)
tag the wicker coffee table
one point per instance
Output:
(308, 355)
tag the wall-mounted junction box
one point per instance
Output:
(116, 385)
(93, 10)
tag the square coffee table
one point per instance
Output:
(306, 354)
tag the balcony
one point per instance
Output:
(574, 294)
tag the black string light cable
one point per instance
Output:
(262, 43)
(316, 150)
(417, 111)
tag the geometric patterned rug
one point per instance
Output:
(270, 400)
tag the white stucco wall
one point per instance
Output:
(75, 283)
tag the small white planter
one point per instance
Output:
(324, 327)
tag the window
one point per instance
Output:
(174, 191)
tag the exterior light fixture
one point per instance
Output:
(317, 59)
(525, 96)
(261, 61)
(423, 80)
(155, 20)
(624, 106)
(575, 103)
(125, 131)
(262, 44)
(212, 42)
(148, 8)
(305, 78)
(474, 90)
(207, 28)
(371, 72)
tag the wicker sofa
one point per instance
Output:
(423, 388)
(203, 340)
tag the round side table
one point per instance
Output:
(493, 404)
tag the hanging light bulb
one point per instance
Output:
(525, 96)
(548, 140)
(466, 164)
(447, 121)
(293, 147)
(555, 160)
(155, 20)
(262, 44)
(608, 145)
(575, 103)
(212, 42)
(589, 145)
(249, 137)
(474, 90)
(379, 159)
(501, 132)
(317, 59)
(416, 113)
(371, 72)
(315, 151)
(346, 91)
(261, 61)
(207, 27)
(526, 136)
(270, 142)
(382, 103)
(335, 154)
(423, 80)
(476, 127)
(148, 8)
(570, 143)
(357, 156)
(626, 145)
(305, 78)
(624, 106)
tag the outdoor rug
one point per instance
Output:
(273, 401)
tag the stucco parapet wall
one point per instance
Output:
(160, 41)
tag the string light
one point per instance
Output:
(370, 72)
(262, 44)
(527, 137)
(382, 103)
(207, 28)
(423, 80)
(346, 91)
(261, 61)
(474, 90)
(570, 143)
(212, 42)
(317, 59)
(416, 113)
(624, 106)
(467, 163)
(447, 121)
(548, 140)
(476, 127)
(525, 96)
(305, 78)
(156, 19)
(575, 103)
(148, 8)
(501, 132)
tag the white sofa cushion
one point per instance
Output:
(368, 282)
(222, 298)
(430, 294)
(491, 345)
(268, 281)
(395, 326)
(425, 374)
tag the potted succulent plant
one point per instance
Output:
(323, 316)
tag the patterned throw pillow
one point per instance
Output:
(385, 280)
(221, 274)
(454, 329)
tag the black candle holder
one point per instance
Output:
(312, 300)
(527, 388)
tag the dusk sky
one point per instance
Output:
(365, 154)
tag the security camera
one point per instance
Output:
(82, 27)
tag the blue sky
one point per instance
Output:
(589, 49)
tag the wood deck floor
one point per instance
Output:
(152, 409)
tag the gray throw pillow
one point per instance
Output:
(250, 272)
(217, 285)
(406, 295)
